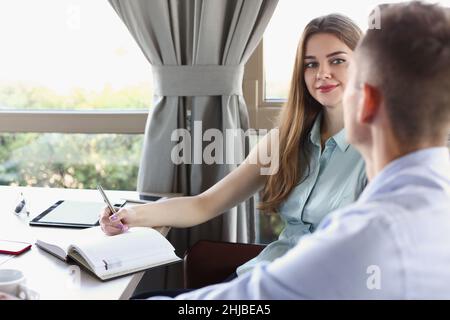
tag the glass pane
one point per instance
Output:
(69, 54)
(285, 29)
(70, 160)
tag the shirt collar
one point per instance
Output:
(315, 131)
(339, 137)
(437, 158)
(341, 140)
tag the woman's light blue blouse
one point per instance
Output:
(336, 178)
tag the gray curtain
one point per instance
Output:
(197, 49)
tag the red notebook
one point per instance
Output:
(13, 247)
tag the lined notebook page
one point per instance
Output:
(136, 244)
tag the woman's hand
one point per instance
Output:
(119, 222)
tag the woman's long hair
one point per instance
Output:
(298, 115)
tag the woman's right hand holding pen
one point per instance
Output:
(119, 222)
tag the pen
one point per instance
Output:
(105, 198)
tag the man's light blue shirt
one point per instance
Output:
(336, 178)
(393, 243)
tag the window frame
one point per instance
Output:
(263, 113)
(90, 122)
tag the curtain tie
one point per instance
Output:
(198, 80)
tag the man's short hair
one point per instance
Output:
(409, 60)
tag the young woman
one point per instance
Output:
(318, 170)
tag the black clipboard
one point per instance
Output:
(80, 214)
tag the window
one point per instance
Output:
(75, 90)
(69, 54)
(78, 161)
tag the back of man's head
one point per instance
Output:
(408, 59)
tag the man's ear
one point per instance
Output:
(370, 104)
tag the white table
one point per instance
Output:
(52, 277)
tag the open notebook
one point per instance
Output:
(112, 256)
